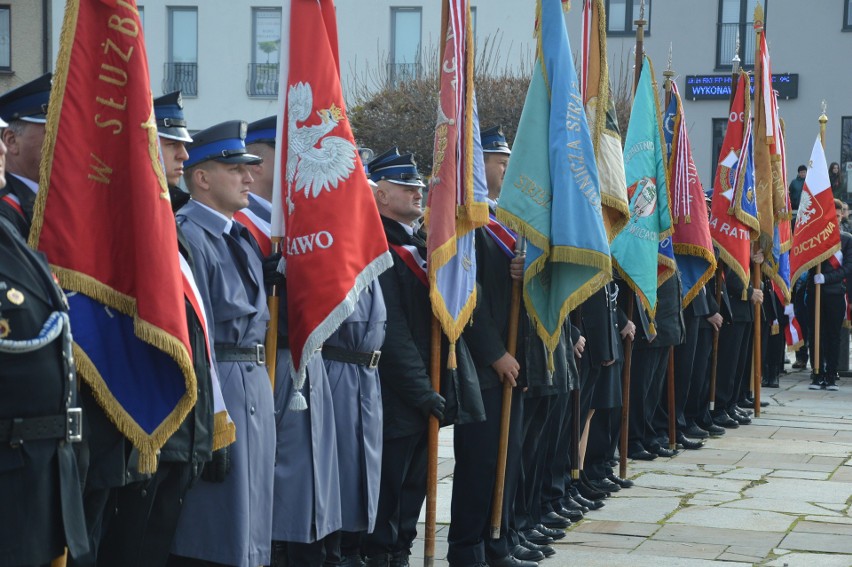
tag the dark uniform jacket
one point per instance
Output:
(20, 219)
(41, 507)
(742, 310)
(602, 323)
(404, 365)
(835, 283)
(669, 317)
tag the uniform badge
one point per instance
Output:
(5, 329)
(15, 296)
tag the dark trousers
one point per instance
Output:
(801, 310)
(647, 373)
(293, 554)
(144, 518)
(684, 357)
(527, 498)
(604, 434)
(557, 452)
(731, 339)
(475, 447)
(832, 313)
(698, 399)
(401, 495)
(744, 367)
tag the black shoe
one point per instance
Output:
(726, 421)
(622, 482)
(570, 504)
(537, 537)
(573, 515)
(545, 550)
(696, 432)
(613, 463)
(400, 559)
(687, 443)
(661, 451)
(769, 383)
(522, 553)
(642, 455)
(713, 429)
(511, 561)
(353, 561)
(549, 532)
(382, 560)
(588, 492)
(554, 520)
(604, 485)
(739, 417)
(800, 364)
(817, 382)
(582, 501)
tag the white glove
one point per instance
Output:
(819, 278)
(789, 311)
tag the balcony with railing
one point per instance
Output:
(402, 72)
(181, 77)
(726, 44)
(262, 80)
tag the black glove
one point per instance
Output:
(218, 468)
(271, 275)
(435, 405)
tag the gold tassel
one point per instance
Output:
(775, 329)
(451, 357)
(551, 366)
(148, 461)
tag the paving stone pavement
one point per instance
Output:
(774, 493)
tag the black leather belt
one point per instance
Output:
(368, 359)
(68, 426)
(229, 353)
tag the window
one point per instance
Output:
(404, 63)
(846, 152)
(620, 15)
(847, 15)
(5, 38)
(182, 66)
(720, 126)
(736, 17)
(141, 16)
(266, 52)
(473, 22)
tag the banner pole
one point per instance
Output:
(625, 394)
(271, 343)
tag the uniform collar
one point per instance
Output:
(209, 219)
(32, 185)
(266, 205)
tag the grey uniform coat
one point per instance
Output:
(231, 522)
(357, 397)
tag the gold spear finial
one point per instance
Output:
(823, 118)
(669, 65)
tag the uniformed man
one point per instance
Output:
(145, 513)
(25, 110)
(476, 444)
(307, 495)
(407, 394)
(229, 523)
(42, 509)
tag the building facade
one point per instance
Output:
(24, 41)
(223, 54)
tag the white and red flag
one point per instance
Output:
(323, 207)
(817, 236)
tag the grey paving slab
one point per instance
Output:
(835, 528)
(786, 506)
(712, 455)
(732, 518)
(761, 542)
(591, 557)
(680, 549)
(808, 475)
(821, 542)
(610, 541)
(616, 528)
(808, 491)
(692, 484)
(746, 473)
(648, 510)
(811, 560)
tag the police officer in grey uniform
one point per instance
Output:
(230, 523)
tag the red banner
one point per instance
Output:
(335, 244)
(817, 236)
(731, 236)
(103, 218)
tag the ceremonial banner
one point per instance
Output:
(635, 249)
(606, 136)
(103, 218)
(731, 236)
(334, 241)
(768, 152)
(551, 194)
(817, 236)
(693, 246)
(457, 189)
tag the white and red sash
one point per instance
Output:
(258, 228)
(412, 258)
(836, 261)
(502, 235)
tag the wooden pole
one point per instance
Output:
(505, 416)
(271, 344)
(60, 561)
(435, 374)
(640, 45)
(816, 363)
(625, 394)
(575, 432)
(670, 377)
(757, 360)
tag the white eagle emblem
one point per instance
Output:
(315, 161)
(809, 208)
